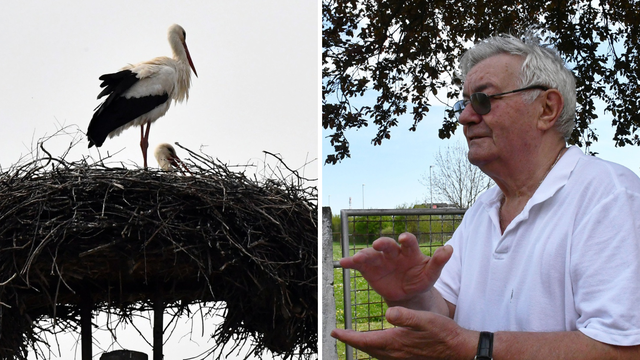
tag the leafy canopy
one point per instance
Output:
(404, 50)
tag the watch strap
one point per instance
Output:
(485, 346)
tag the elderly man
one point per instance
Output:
(545, 265)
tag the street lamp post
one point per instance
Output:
(431, 185)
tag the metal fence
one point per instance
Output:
(364, 309)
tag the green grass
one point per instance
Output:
(369, 308)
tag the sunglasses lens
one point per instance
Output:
(481, 103)
(458, 107)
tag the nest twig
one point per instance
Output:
(73, 230)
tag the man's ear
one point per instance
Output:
(552, 105)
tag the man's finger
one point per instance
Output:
(360, 340)
(440, 257)
(400, 316)
(363, 258)
(413, 319)
(387, 245)
(409, 244)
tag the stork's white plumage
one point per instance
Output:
(167, 158)
(139, 94)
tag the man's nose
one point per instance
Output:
(469, 115)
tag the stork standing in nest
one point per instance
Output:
(139, 94)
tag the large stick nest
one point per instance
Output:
(121, 239)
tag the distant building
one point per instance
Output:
(436, 206)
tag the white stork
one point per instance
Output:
(139, 94)
(167, 158)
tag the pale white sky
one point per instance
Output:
(258, 85)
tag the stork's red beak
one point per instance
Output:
(178, 164)
(186, 49)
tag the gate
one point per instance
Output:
(364, 309)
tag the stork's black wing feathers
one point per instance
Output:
(120, 112)
(117, 110)
(116, 84)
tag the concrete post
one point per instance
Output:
(329, 349)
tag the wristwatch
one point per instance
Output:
(485, 346)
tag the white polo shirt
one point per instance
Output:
(569, 261)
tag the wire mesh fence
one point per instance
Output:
(358, 307)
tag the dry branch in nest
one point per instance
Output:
(74, 231)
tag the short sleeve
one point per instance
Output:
(605, 270)
(449, 282)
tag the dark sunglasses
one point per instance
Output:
(481, 102)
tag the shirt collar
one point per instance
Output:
(555, 180)
(557, 177)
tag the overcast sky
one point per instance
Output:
(257, 89)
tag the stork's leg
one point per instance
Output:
(144, 142)
(143, 147)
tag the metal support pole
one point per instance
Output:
(158, 326)
(85, 326)
(346, 280)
